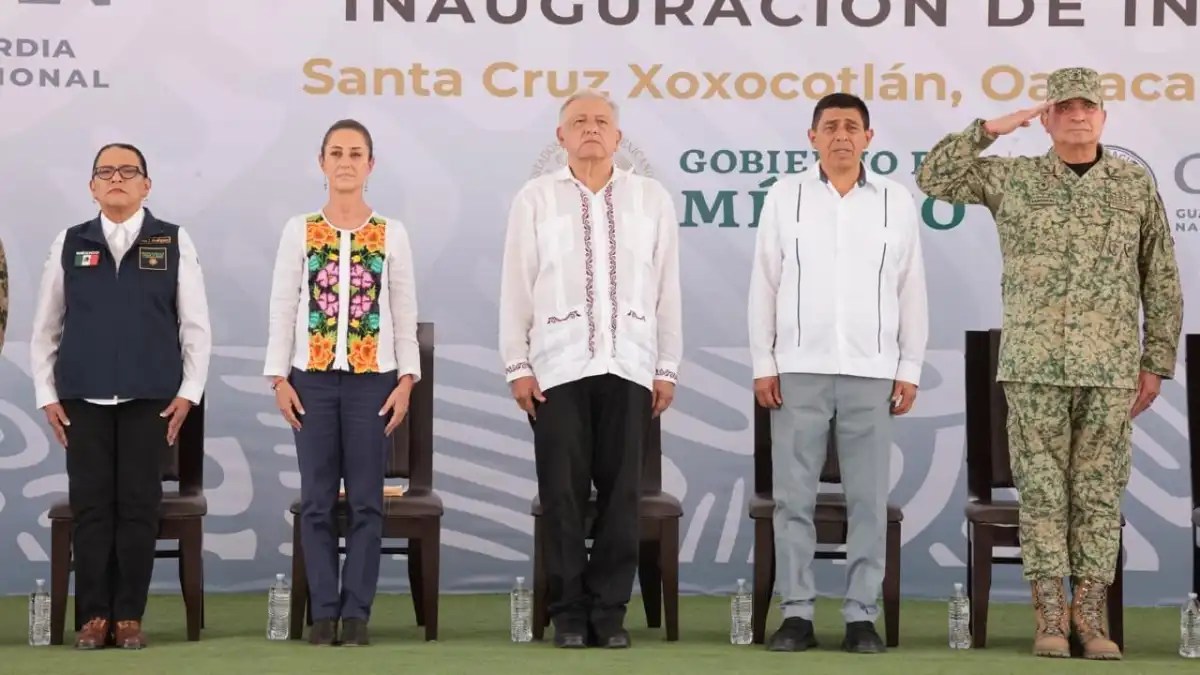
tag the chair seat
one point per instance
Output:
(652, 505)
(997, 512)
(174, 505)
(831, 508)
(408, 505)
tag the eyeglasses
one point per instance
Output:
(127, 172)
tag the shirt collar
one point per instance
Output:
(564, 174)
(862, 175)
(134, 224)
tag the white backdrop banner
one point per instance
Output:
(229, 100)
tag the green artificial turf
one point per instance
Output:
(474, 639)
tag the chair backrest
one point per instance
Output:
(1192, 373)
(184, 461)
(410, 445)
(651, 482)
(987, 457)
(830, 472)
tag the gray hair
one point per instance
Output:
(585, 95)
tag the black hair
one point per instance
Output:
(354, 125)
(123, 146)
(841, 100)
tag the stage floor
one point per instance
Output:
(474, 639)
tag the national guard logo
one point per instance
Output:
(1131, 156)
(628, 156)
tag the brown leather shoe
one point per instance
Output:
(323, 633)
(1091, 621)
(93, 635)
(1050, 611)
(129, 635)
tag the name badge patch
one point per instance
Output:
(155, 241)
(87, 258)
(152, 258)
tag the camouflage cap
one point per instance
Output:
(1068, 83)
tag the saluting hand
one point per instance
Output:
(175, 414)
(1013, 121)
(288, 403)
(397, 403)
(57, 417)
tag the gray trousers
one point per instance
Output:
(799, 438)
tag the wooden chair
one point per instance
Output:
(1192, 370)
(415, 516)
(181, 520)
(658, 558)
(995, 522)
(831, 521)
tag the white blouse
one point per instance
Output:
(343, 300)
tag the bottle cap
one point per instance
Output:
(520, 580)
(279, 577)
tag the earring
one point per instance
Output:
(366, 185)
(326, 184)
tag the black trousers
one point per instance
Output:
(590, 431)
(114, 472)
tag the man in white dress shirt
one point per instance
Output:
(120, 353)
(838, 326)
(591, 339)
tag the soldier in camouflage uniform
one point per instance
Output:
(3, 295)
(1084, 239)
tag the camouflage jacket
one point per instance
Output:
(1080, 254)
(3, 294)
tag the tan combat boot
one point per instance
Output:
(1053, 620)
(1088, 613)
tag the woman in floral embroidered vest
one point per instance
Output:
(342, 357)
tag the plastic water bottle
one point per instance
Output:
(279, 606)
(1189, 629)
(960, 619)
(39, 615)
(740, 632)
(521, 609)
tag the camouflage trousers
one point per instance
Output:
(1071, 451)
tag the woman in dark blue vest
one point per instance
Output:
(342, 358)
(119, 353)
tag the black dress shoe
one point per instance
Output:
(861, 638)
(354, 633)
(618, 639)
(795, 635)
(323, 633)
(568, 640)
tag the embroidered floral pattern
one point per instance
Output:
(589, 263)
(518, 367)
(569, 315)
(325, 260)
(609, 213)
(665, 373)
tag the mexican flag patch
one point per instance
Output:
(87, 258)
